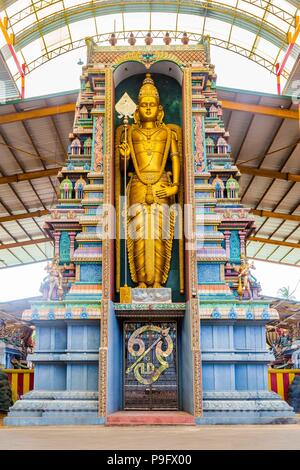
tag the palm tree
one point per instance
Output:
(285, 293)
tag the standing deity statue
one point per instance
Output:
(151, 188)
(53, 283)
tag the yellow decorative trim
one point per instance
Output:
(106, 243)
(125, 295)
(117, 205)
(180, 55)
(191, 254)
(189, 176)
(77, 275)
(102, 382)
(178, 131)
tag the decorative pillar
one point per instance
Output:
(192, 311)
(198, 142)
(56, 243)
(77, 272)
(227, 243)
(242, 240)
(72, 243)
(98, 148)
(107, 244)
(222, 272)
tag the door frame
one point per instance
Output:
(154, 322)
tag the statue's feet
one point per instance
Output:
(156, 285)
(142, 285)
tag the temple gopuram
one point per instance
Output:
(149, 304)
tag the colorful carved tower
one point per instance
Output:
(192, 339)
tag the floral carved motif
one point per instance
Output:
(99, 145)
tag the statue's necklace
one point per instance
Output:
(165, 156)
(148, 133)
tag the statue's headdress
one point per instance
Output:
(148, 88)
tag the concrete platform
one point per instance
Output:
(139, 418)
(266, 437)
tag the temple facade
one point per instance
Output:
(172, 321)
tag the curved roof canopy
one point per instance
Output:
(256, 29)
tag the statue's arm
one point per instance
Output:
(122, 149)
(172, 189)
(175, 159)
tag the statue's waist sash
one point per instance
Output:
(150, 177)
(137, 190)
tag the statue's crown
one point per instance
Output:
(148, 88)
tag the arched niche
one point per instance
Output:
(130, 68)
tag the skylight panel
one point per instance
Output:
(132, 21)
(289, 64)
(254, 10)
(82, 29)
(243, 37)
(72, 3)
(285, 5)
(190, 23)
(24, 23)
(278, 23)
(49, 10)
(231, 3)
(32, 51)
(17, 6)
(57, 38)
(111, 23)
(216, 28)
(163, 21)
(267, 48)
(280, 56)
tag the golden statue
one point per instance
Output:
(151, 190)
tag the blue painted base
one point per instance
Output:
(54, 421)
(262, 407)
(40, 408)
(244, 420)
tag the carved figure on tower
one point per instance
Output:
(244, 277)
(53, 284)
(149, 144)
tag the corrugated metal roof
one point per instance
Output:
(8, 87)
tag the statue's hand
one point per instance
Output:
(166, 191)
(124, 150)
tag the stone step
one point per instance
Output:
(150, 418)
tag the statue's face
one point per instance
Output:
(148, 108)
